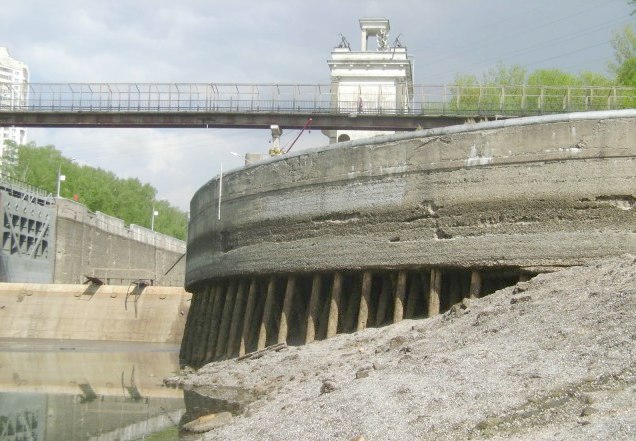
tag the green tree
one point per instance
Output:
(465, 95)
(100, 190)
(624, 44)
(549, 90)
(502, 75)
(626, 75)
(507, 89)
(487, 96)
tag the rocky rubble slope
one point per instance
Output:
(552, 358)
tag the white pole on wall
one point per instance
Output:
(152, 220)
(220, 188)
(60, 178)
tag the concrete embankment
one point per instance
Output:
(85, 312)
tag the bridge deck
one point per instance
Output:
(261, 105)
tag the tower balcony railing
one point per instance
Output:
(434, 100)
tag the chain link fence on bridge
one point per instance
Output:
(433, 100)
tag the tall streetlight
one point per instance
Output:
(61, 177)
(152, 220)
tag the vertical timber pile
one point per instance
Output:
(225, 319)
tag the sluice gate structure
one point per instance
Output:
(369, 232)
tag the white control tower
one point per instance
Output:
(370, 81)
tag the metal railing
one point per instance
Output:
(434, 100)
(25, 191)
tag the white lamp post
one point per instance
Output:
(60, 178)
(152, 220)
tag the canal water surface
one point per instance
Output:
(71, 390)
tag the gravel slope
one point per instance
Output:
(552, 358)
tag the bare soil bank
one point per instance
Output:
(552, 358)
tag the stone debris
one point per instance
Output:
(364, 372)
(208, 422)
(258, 354)
(328, 386)
(521, 287)
(521, 299)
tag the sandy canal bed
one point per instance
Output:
(552, 358)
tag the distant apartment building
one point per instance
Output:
(14, 76)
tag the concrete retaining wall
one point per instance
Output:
(539, 194)
(83, 312)
(95, 244)
(362, 227)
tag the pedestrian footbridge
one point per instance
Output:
(212, 105)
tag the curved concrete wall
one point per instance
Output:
(526, 193)
(364, 233)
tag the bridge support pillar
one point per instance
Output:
(202, 337)
(217, 310)
(267, 312)
(287, 309)
(334, 305)
(400, 292)
(435, 292)
(235, 324)
(247, 319)
(365, 301)
(475, 284)
(312, 313)
(224, 328)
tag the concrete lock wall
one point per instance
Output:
(95, 244)
(87, 312)
(28, 236)
(356, 232)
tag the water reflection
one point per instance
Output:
(73, 390)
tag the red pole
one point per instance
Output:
(301, 132)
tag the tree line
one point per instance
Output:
(100, 190)
(552, 90)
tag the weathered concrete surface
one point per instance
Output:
(83, 312)
(99, 245)
(528, 193)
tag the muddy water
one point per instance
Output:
(76, 390)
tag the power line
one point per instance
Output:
(548, 43)
(499, 38)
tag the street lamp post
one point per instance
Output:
(152, 220)
(60, 178)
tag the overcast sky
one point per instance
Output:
(263, 41)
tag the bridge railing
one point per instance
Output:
(432, 100)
